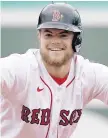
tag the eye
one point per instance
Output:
(64, 35)
(48, 35)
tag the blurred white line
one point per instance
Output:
(27, 18)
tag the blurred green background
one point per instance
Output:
(18, 40)
(18, 37)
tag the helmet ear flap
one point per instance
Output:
(76, 43)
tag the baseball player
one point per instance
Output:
(44, 91)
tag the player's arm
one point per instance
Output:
(7, 75)
(11, 75)
(101, 82)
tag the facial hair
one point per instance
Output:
(56, 61)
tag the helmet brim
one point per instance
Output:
(58, 25)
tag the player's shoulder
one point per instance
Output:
(90, 67)
(31, 56)
(26, 59)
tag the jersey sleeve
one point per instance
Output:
(100, 90)
(12, 75)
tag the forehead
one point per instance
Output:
(53, 30)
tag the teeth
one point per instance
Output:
(56, 49)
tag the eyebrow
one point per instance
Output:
(65, 31)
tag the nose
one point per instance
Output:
(56, 40)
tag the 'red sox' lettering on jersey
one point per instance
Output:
(45, 116)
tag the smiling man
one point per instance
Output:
(56, 46)
(56, 50)
(44, 91)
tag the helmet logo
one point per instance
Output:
(56, 15)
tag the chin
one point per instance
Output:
(56, 61)
(58, 58)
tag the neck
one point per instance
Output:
(59, 72)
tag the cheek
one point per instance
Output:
(68, 44)
(43, 43)
(43, 46)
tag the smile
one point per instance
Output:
(56, 49)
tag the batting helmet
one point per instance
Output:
(62, 16)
